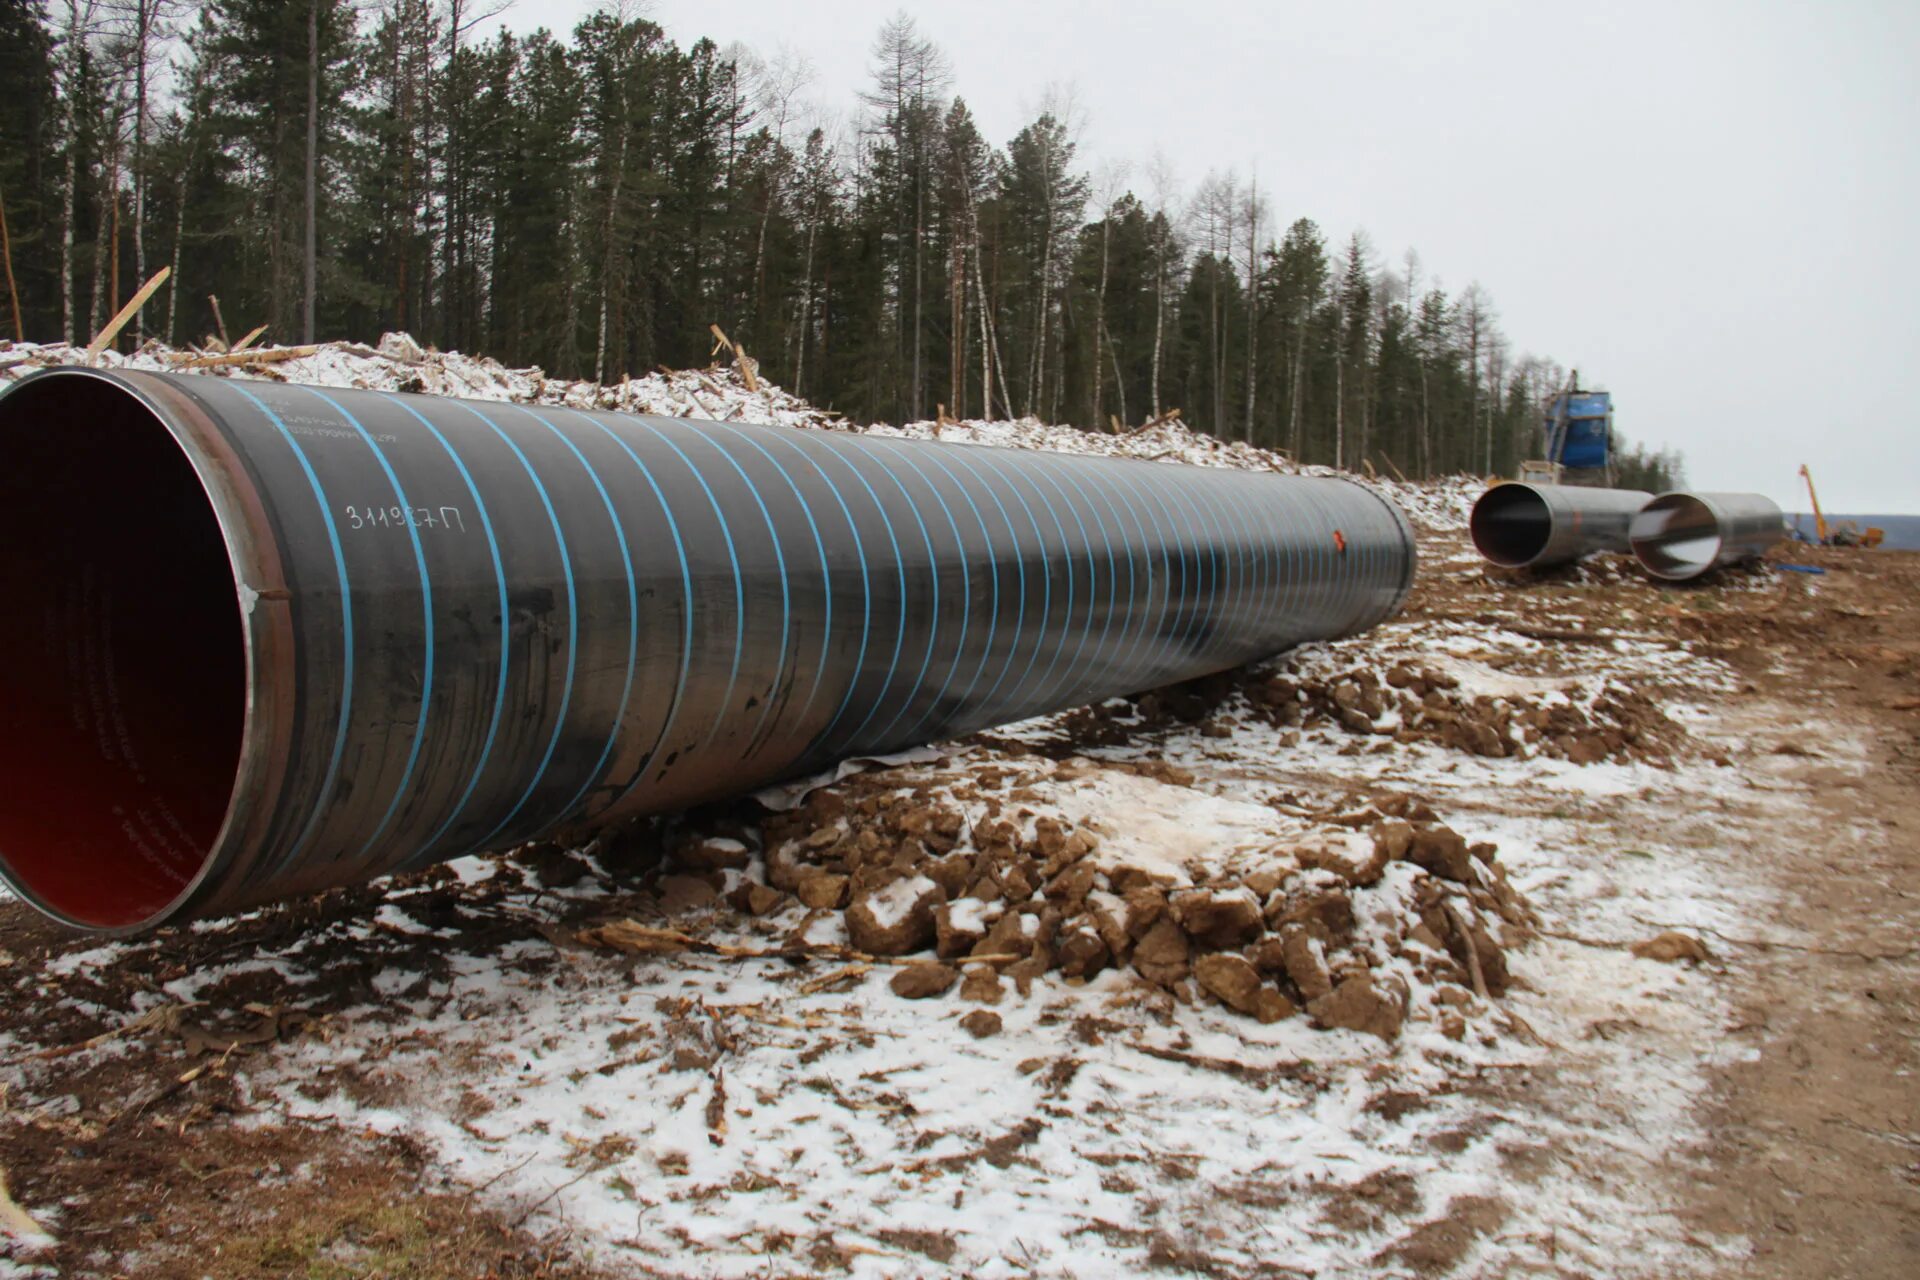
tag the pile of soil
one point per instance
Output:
(1585, 722)
(1374, 915)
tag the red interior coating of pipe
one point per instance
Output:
(122, 657)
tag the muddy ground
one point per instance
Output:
(1752, 1095)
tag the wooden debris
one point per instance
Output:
(104, 339)
(640, 939)
(226, 344)
(838, 977)
(251, 337)
(1170, 415)
(165, 1017)
(741, 360)
(13, 290)
(17, 1222)
(272, 355)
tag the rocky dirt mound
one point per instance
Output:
(1583, 721)
(1362, 918)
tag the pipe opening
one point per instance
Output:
(1511, 525)
(1676, 536)
(123, 672)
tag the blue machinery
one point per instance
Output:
(1579, 435)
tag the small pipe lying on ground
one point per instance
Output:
(1678, 536)
(1521, 526)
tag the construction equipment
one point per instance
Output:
(1819, 520)
(1579, 430)
(1844, 533)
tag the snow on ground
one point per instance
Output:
(702, 1114)
(713, 1113)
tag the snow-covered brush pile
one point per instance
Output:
(1441, 506)
(398, 363)
(719, 393)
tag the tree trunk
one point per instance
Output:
(806, 309)
(76, 38)
(1253, 301)
(143, 19)
(1159, 315)
(1100, 322)
(606, 246)
(1339, 407)
(957, 326)
(917, 393)
(313, 168)
(109, 194)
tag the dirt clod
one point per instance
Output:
(1672, 947)
(920, 981)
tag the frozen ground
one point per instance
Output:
(746, 1095)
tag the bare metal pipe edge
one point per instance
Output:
(262, 640)
(1680, 536)
(1518, 525)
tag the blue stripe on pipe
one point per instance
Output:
(1066, 553)
(426, 609)
(1206, 534)
(1247, 551)
(739, 592)
(966, 599)
(1067, 681)
(633, 612)
(1131, 617)
(786, 603)
(1171, 606)
(1102, 659)
(960, 454)
(686, 603)
(826, 571)
(1221, 576)
(900, 570)
(1046, 595)
(346, 630)
(573, 635)
(1118, 479)
(866, 585)
(993, 568)
(500, 581)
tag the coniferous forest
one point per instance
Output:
(591, 202)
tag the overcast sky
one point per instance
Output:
(1710, 209)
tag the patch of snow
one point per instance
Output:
(891, 903)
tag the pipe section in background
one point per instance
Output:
(1678, 536)
(1519, 526)
(261, 640)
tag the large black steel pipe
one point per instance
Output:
(261, 640)
(1678, 536)
(1535, 526)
